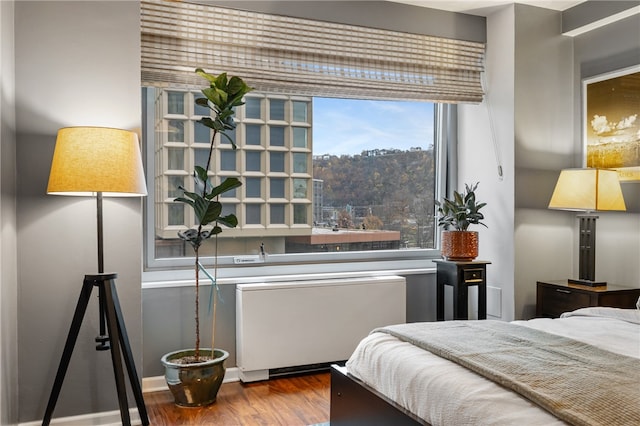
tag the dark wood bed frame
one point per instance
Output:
(355, 403)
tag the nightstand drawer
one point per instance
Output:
(559, 300)
(473, 275)
(555, 297)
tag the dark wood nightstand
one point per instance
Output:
(555, 297)
(461, 275)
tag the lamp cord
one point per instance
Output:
(487, 105)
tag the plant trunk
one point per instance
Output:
(197, 348)
(197, 270)
(215, 260)
(213, 322)
(215, 294)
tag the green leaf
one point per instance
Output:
(201, 181)
(230, 220)
(223, 96)
(212, 213)
(203, 73)
(193, 195)
(462, 210)
(201, 173)
(233, 143)
(213, 95)
(227, 185)
(236, 85)
(200, 208)
(221, 81)
(202, 102)
(225, 115)
(192, 236)
(184, 200)
(207, 121)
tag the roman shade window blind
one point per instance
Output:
(292, 56)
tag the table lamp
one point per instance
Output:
(99, 161)
(587, 190)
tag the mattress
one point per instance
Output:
(443, 393)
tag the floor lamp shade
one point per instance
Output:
(88, 160)
(587, 190)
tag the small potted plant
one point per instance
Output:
(194, 375)
(459, 243)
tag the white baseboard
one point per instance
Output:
(154, 384)
(107, 418)
(112, 418)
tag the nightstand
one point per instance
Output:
(461, 275)
(555, 297)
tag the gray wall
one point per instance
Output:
(589, 12)
(534, 90)
(77, 63)
(479, 158)
(168, 324)
(8, 237)
(544, 144)
(376, 14)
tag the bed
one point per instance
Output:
(580, 369)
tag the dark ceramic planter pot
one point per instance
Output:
(197, 384)
(459, 245)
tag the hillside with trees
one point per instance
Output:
(380, 189)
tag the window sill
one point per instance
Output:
(266, 272)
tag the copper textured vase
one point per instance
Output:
(459, 245)
(196, 384)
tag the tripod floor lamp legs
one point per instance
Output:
(118, 342)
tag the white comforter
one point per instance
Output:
(444, 393)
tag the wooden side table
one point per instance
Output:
(461, 275)
(558, 296)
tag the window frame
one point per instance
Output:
(351, 261)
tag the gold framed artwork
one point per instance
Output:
(611, 120)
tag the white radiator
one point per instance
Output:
(298, 323)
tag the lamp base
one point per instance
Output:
(117, 341)
(587, 282)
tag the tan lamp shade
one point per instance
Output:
(587, 190)
(87, 160)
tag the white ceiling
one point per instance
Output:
(483, 7)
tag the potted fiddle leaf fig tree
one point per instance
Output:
(458, 243)
(194, 375)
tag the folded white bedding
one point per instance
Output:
(613, 329)
(444, 393)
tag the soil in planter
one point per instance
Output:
(192, 359)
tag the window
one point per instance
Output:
(325, 167)
(310, 167)
(227, 161)
(277, 188)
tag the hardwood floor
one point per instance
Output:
(297, 400)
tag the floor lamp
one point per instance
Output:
(99, 161)
(587, 190)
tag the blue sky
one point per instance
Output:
(346, 126)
